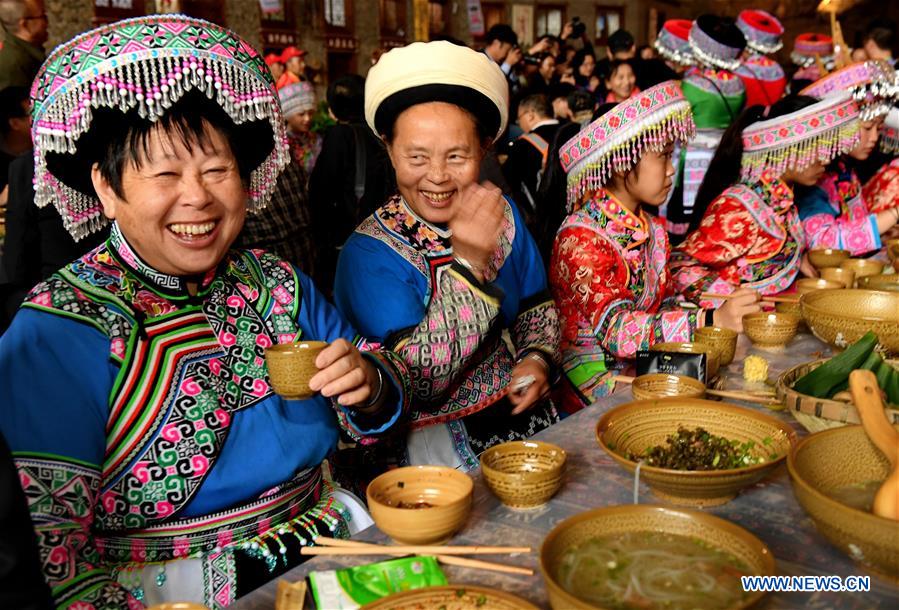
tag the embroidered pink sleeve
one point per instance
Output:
(458, 318)
(858, 235)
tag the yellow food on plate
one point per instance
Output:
(755, 368)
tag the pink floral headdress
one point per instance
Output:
(614, 142)
(872, 84)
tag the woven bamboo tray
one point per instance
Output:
(817, 414)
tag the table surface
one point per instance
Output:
(769, 510)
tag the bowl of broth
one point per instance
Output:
(835, 475)
(644, 557)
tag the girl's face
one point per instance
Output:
(649, 182)
(586, 68)
(621, 82)
(868, 132)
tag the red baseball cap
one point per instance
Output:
(291, 52)
(273, 58)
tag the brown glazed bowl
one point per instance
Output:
(636, 426)
(827, 257)
(890, 283)
(691, 348)
(846, 277)
(523, 474)
(771, 329)
(809, 284)
(713, 531)
(447, 491)
(841, 317)
(663, 385)
(863, 267)
(840, 458)
(724, 340)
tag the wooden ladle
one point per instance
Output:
(866, 396)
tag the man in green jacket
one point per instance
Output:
(23, 32)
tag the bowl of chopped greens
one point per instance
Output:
(691, 451)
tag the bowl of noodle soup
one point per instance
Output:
(644, 557)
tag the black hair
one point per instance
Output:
(553, 193)
(620, 40)
(557, 90)
(580, 100)
(724, 169)
(537, 102)
(501, 32)
(117, 138)
(884, 36)
(576, 63)
(346, 98)
(12, 106)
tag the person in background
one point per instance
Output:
(528, 154)
(746, 231)
(645, 52)
(834, 212)
(813, 57)
(351, 178)
(858, 54)
(583, 76)
(763, 77)
(879, 42)
(716, 96)
(620, 83)
(15, 130)
(558, 98)
(609, 268)
(298, 106)
(294, 61)
(275, 65)
(445, 268)
(542, 80)
(164, 327)
(881, 188)
(23, 32)
(502, 47)
(581, 105)
(673, 45)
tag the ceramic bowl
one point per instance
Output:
(523, 474)
(291, 366)
(771, 329)
(889, 283)
(713, 531)
(808, 284)
(691, 348)
(724, 340)
(836, 459)
(846, 277)
(633, 427)
(394, 495)
(841, 317)
(827, 257)
(863, 267)
(662, 385)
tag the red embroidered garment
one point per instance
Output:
(750, 235)
(882, 190)
(611, 284)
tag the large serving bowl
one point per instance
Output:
(523, 474)
(724, 340)
(633, 427)
(836, 459)
(691, 348)
(446, 491)
(863, 267)
(827, 257)
(663, 385)
(771, 329)
(890, 283)
(713, 531)
(841, 317)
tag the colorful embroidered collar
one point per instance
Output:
(614, 142)
(819, 132)
(145, 65)
(637, 227)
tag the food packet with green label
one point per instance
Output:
(351, 588)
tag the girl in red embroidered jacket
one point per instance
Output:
(608, 270)
(747, 232)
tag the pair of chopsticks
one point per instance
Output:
(762, 397)
(444, 554)
(767, 299)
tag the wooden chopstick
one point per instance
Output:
(623, 379)
(767, 299)
(447, 559)
(415, 550)
(744, 396)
